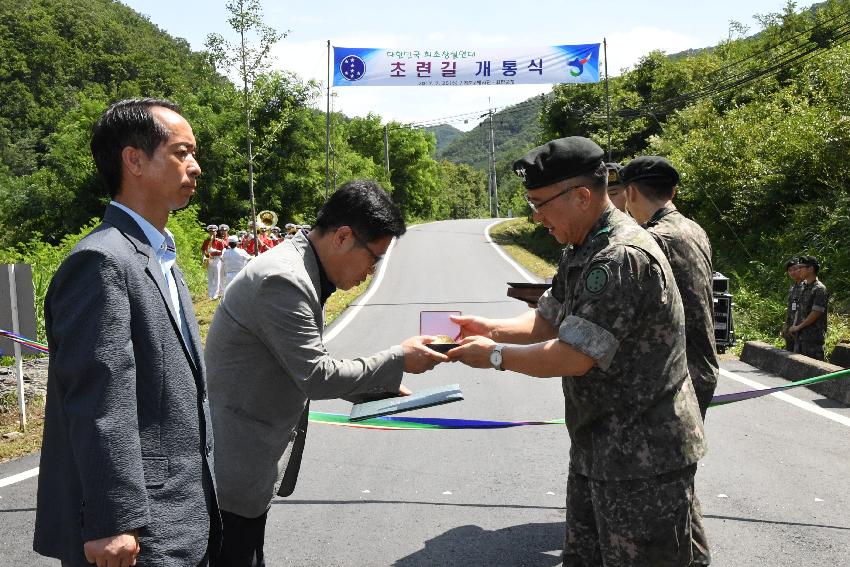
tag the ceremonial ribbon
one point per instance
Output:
(397, 423)
(29, 343)
(443, 423)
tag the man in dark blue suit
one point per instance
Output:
(126, 463)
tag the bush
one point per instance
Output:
(188, 236)
(45, 258)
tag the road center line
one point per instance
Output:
(528, 277)
(18, 477)
(808, 406)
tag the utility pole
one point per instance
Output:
(332, 147)
(328, 128)
(607, 96)
(493, 186)
(387, 149)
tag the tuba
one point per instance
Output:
(266, 220)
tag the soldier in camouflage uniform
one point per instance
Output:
(809, 329)
(616, 189)
(612, 326)
(650, 186)
(792, 301)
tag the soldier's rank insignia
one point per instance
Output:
(597, 279)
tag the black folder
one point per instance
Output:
(399, 404)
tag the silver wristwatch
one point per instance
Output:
(496, 357)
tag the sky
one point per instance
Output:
(632, 29)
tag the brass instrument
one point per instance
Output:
(266, 220)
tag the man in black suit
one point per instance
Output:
(126, 463)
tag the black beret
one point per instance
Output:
(792, 262)
(558, 160)
(809, 261)
(647, 167)
(614, 169)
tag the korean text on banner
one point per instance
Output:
(365, 67)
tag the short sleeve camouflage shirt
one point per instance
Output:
(634, 414)
(813, 297)
(792, 303)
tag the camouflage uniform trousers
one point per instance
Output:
(812, 349)
(636, 523)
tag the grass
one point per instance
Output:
(204, 310)
(757, 318)
(532, 248)
(10, 422)
(340, 300)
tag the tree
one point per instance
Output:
(250, 61)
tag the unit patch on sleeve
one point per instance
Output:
(597, 279)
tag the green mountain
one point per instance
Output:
(444, 133)
(515, 129)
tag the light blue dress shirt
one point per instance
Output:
(166, 254)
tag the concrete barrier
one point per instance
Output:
(841, 355)
(796, 367)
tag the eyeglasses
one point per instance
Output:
(535, 207)
(363, 244)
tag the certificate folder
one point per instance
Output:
(417, 400)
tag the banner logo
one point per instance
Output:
(577, 65)
(352, 68)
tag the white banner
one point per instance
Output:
(370, 67)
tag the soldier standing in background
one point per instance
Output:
(616, 190)
(792, 301)
(809, 329)
(650, 187)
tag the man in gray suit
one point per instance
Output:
(266, 357)
(126, 462)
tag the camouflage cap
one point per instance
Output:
(558, 160)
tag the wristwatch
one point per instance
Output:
(496, 357)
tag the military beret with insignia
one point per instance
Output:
(792, 262)
(649, 167)
(614, 169)
(558, 160)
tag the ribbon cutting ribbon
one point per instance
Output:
(29, 343)
(449, 423)
(443, 423)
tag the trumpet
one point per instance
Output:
(266, 220)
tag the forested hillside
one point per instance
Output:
(443, 134)
(63, 61)
(758, 128)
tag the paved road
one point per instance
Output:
(774, 486)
